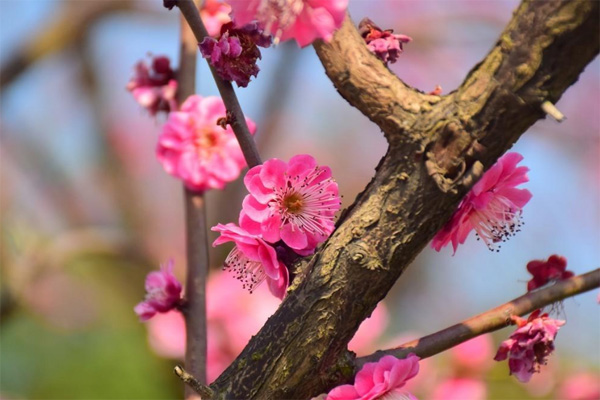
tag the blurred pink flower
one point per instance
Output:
(530, 345)
(369, 331)
(386, 45)
(154, 87)
(378, 380)
(475, 355)
(294, 202)
(235, 52)
(492, 208)
(303, 20)
(547, 271)
(163, 293)
(581, 386)
(252, 260)
(166, 334)
(214, 15)
(460, 389)
(195, 149)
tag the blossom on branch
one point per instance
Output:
(492, 208)
(196, 149)
(554, 269)
(214, 14)
(302, 20)
(294, 202)
(379, 380)
(530, 345)
(386, 45)
(252, 260)
(163, 293)
(154, 87)
(235, 52)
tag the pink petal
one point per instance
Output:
(293, 237)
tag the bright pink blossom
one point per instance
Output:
(194, 148)
(214, 15)
(460, 389)
(543, 272)
(163, 293)
(303, 20)
(294, 202)
(154, 87)
(492, 208)
(386, 45)
(379, 380)
(252, 260)
(529, 346)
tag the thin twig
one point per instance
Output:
(196, 239)
(237, 120)
(204, 391)
(491, 320)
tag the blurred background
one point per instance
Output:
(87, 211)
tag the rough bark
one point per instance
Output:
(439, 146)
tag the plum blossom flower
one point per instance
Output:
(547, 271)
(385, 44)
(235, 52)
(460, 389)
(529, 346)
(252, 260)
(302, 20)
(214, 14)
(492, 208)
(194, 148)
(163, 293)
(154, 87)
(294, 202)
(379, 380)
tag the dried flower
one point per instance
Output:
(554, 269)
(154, 87)
(163, 293)
(386, 45)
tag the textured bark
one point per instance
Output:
(439, 146)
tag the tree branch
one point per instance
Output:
(491, 320)
(235, 114)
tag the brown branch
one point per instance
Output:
(435, 155)
(196, 239)
(237, 119)
(491, 320)
(204, 391)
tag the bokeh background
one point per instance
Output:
(86, 210)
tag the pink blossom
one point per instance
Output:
(214, 15)
(460, 389)
(492, 208)
(386, 45)
(302, 20)
(294, 202)
(529, 346)
(252, 260)
(475, 355)
(370, 330)
(154, 87)
(166, 334)
(547, 271)
(581, 386)
(163, 293)
(195, 149)
(378, 380)
(235, 52)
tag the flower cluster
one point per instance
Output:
(492, 208)
(386, 45)
(195, 148)
(154, 87)
(378, 380)
(235, 52)
(547, 271)
(163, 293)
(302, 20)
(529, 346)
(290, 209)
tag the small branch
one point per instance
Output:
(204, 391)
(491, 320)
(238, 121)
(552, 111)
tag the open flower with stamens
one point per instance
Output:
(294, 202)
(303, 20)
(252, 260)
(195, 148)
(492, 208)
